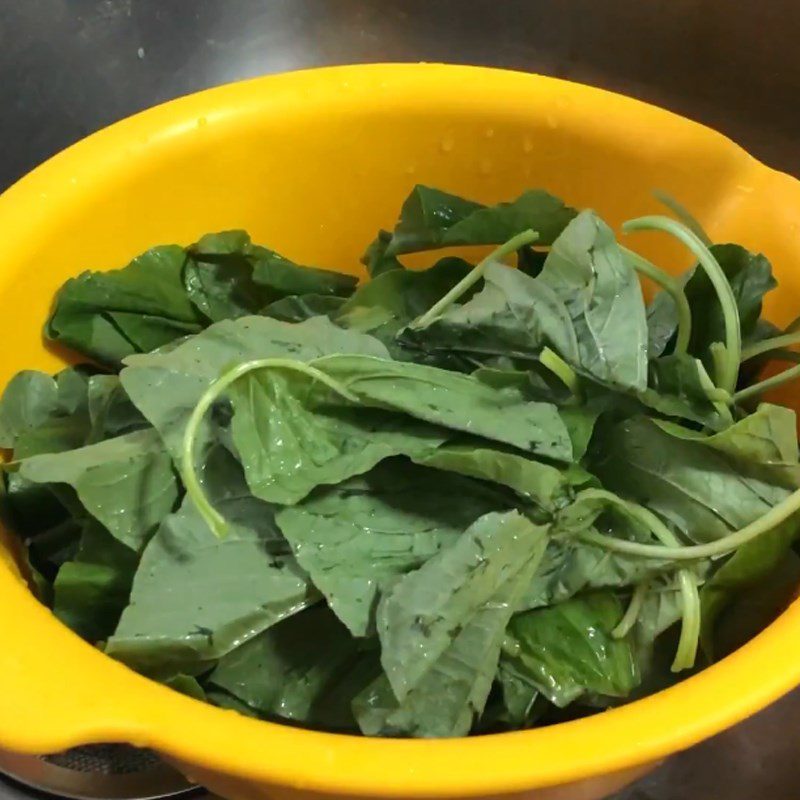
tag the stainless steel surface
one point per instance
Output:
(68, 67)
(97, 772)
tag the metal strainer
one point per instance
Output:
(98, 772)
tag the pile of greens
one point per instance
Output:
(459, 499)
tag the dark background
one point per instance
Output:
(69, 67)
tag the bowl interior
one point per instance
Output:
(312, 164)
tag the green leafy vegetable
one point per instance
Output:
(110, 315)
(126, 483)
(568, 650)
(458, 402)
(706, 486)
(306, 669)
(290, 443)
(166, 386)
(375, 258)
(750, 277)
(453, 500)
(392, 300)
(355, 539)
(196, 598)
(513, 317)
(300, 307)
(42, 414)
(431, 218)
(545, 485)
(441, 628)
(228, 277)
(91, 591)
(588, 271)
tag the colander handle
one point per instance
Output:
(58, 691)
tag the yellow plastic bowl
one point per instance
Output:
(312, 163)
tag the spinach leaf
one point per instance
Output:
(111, 412)
(520, 697)
(219, 277)
(196, 597)
(441, 629)
(677, 387)
(43, 414)
(91, 590)
(534, 383)
(567, 650)
(355, 539)
(300, 307)
(545, 485)
(588, 271)
(166, 386)
(391, 300)
(29, 400)
(229, 277)
(706, 486)
(297, 670)
(751, 565)
(186, 684)
(513, 317)
(750, 276)
(569, 568)
(375, 259)
(431, 218)
(458, 402)
(126, 483)
(110, 315)
(289, 442)
(50, 549)
(752, 606)
(284, 277)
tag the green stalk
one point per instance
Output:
(767, 384)
(720, 547)
(194, 489)
(690, 613)
(561, 370)
(730, 312)
(689, 640)
(675, 290)
(765, 345)
(473, 276)
(632, 612)
(719, 359)
(719, 398)
(684, 215)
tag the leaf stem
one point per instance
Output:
(632, 612)
(719, 359)
(690, 624)
(730, 312)
(194, 488)
(719, 398)
(765, 345)
(720, 547)
(673, 288)
(767, 384)
(683, 214)
(560, 369)
(689, 640)
(472, 277)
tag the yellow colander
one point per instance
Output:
(312, 163)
